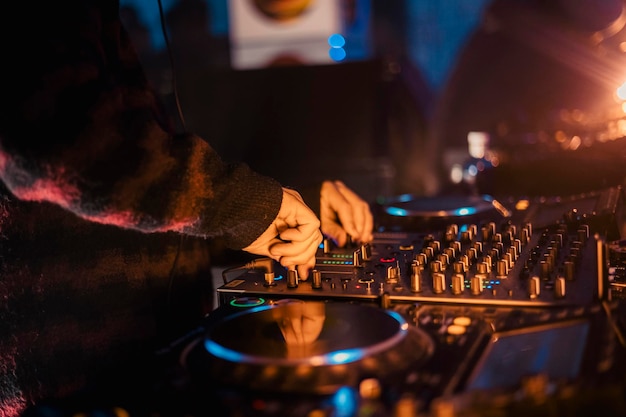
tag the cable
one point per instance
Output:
(172, 67)
(172, 273)
(266, 264)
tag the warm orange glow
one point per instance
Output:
(578, 115)
(560, 136)
(621, 128)
(522, 205)
(621, 92)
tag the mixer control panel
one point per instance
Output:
(488, 264)
(529, 258)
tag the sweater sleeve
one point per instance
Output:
(80, 127)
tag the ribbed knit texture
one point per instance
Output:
(98, 170)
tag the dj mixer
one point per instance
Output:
(456, 300)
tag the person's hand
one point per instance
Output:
(293, 237)
(343, 213)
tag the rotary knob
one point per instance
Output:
(534, 287)
(476, 285)
(316, 281)
(416, 277)
(292, 278)
(439, 283)
(458, 284)
(559, 287)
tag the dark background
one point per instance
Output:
(540, 77)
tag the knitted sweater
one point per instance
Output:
(80, 127)
(85, 147)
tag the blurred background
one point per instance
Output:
(395, 97)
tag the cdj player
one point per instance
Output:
(459, 306)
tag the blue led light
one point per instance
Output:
(222, 352)
(345, 402)
(337, 54)
(405, 198)
(465, 211)
(395, 211)
(340, 357)
(399, 319)
(336, 40)
(344, 356)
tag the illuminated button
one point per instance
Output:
(456, 329)
(462, 321)
(247, 302)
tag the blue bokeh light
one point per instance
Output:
(465, 211)
(345, 356)
(337, 54)
(345, 402)
(336, 41)
(395, 211)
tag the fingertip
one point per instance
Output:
(303, 273)
(342, 239)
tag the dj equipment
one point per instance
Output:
(455, 297)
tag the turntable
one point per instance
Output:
(304, 347)
(410, 213)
